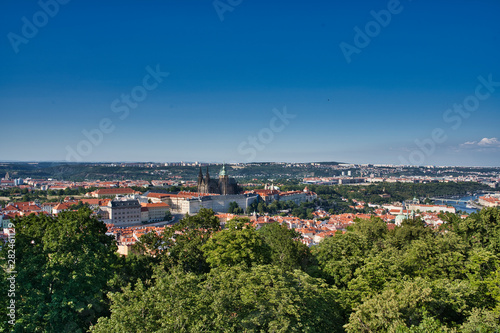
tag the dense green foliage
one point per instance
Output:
(228, 299)
(197, 277)
(64, 265)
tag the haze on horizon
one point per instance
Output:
(382, 82)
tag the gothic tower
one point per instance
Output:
(223, 181)
(200, 182)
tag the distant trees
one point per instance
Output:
(234, 208)
(79, 205)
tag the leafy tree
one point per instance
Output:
(205, 219)
(150, 243)
(239, 243)
(261, 208)
(481, 229)
(184, 249)
(234, 208)
(436, 256)
(373, 230)
(78, 206)
(412, 304)
(132, 268)
(481, 321)
(170, 305)
(64, 264)
(181, 244)
(409, 230)
(230, 299)
(286, 249)
(426, 325)
(339, 257)
(268, 299)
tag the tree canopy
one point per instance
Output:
(64, 265)
(199, 277)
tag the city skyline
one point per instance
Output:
(381, 82)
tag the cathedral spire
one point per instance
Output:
(200, 176)
(223, 170)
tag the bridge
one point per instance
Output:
(450, 200)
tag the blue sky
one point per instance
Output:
(227, 76)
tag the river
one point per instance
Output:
(462, 205)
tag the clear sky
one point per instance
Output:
(353, 81)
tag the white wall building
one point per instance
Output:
(153, 212)
(123, 211)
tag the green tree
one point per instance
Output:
(339, 257)
(234, 208)
(170, 305)
(481, 321)
(64, 265)
(286, 249)
(436, 256)
(228, 299)
(409, 230)
(373, 230)
(481, 229)
(239, 243)
(181, 244)
(439, 304)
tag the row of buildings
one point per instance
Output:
(347, 179)
(489, 201)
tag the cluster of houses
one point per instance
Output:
(120, 210)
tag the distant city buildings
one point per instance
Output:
(489, 201)
(127, 212)
(107, 192)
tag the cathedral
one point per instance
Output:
(224, 185)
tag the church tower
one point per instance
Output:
(200, 181)
(223, 181)
(223, 185)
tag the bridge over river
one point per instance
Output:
(451, 200)
(457, 201)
